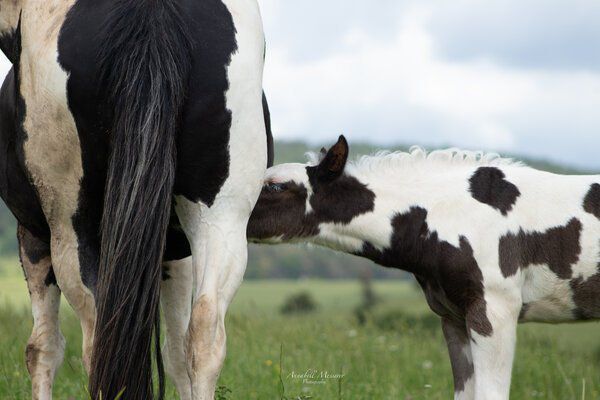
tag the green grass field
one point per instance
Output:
(398, 354)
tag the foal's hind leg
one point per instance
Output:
(459, 349)
(176, 302)
(46, 346)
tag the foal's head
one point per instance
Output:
(300, 202)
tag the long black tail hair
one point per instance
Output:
(145, 61)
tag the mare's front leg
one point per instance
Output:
(46, 346)
(492, 325)
(461, 358)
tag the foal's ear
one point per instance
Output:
(334, 162)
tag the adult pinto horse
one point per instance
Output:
(112, 108)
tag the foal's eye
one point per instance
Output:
(276, 187)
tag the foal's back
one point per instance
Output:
(553, 238)
(537, 229)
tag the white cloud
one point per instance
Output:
(389, 90)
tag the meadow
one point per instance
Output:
(398, 353)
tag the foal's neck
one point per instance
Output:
(396, 231)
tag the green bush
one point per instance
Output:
(300, 303)
(399, 321)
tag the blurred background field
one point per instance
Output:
(384, 340)
(398, 353)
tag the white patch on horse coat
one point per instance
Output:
(176, 303)
(9, 15)
(46, 345)
(52, 149)
(217, 234)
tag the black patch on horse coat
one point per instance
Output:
(489, 186)
(34, 248)
(586, 295)
(457, 340)
(558, 247)
(450, 274)
(15, 186)
(282, 213)
(165, 273)
(78, 55)
(591, 203)
(177, 246)
(203, 140)
(341, 200)
(270, 144)
(10, 46)
(50, 278)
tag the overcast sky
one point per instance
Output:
(503, 75)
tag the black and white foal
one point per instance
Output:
(112, 108)
(491, 242)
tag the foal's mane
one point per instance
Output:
(421, 158)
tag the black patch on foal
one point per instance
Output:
(450, 274)
(457, 340)
(591, 203)
(489, 186)
(282, 212)
(341, 200)
(586, 295)
(585, 292)
(558, 247)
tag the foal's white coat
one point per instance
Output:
(439, 182)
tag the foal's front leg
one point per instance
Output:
(493, 345)
(461, 358)
(220, 251)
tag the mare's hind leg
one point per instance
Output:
(176, 302)
(461, 359)
(219, 246)
(46, 346)
(65, 259)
